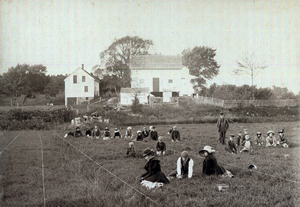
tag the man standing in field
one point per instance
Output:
(223, 126)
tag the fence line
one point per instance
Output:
(244, 103)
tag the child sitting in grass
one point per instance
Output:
(130, 150)
(247, 144)
(106, 134)
(160, 147)
(96, 132)
(259, 139)
(88, 131)
(231, 145)
(175, 134)
(153, 134)
(145, 132)
(139, 136)
(244, 136)
(239, 139)
(76, 133)
(282, 140)
(117, 134)
(184, 166)
(128, 133)
(270, 140)
(210, 163)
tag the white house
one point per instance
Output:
(127, 95)
(163, 75)
(80, 86)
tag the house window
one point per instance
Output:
(86, 89)
(83, 78)
(74, 78)
(141, 80)
(170, 81)
(87, 98)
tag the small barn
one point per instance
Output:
(127, 95)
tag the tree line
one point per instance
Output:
(246, 92)
(28, 80)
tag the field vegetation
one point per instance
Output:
(81, 171)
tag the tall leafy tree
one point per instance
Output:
(117, 57)
(36, 78)
(14, 81)
(201, 63)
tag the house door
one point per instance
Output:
(155, 84)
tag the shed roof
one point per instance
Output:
(141, 62)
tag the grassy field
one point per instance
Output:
(72, 179)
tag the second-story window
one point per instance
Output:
(74, 78)
(170, 81)
(83, 78)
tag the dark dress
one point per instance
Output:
(154, 173)
(145, 133)
(211, 167)
(153, 135)
(175, 135)
(231, 146)
(161, 146)
(139, 138)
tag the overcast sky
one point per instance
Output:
(63, 34)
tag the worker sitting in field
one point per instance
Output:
(184, 167)
(247, 144)
(106, 134)
(145, 132)
(210, 164)
(153, 133)
(282, 140)
(259, 139)
(271, 139)
(139, 136)
(130, 150)
(239, 139)
(76, 133)
(117, 134)
(128, 133)
(96, 132)
(231, 145)
(160, 147)
(88, 131)
(175, 134)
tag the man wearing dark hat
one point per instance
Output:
(222, 126)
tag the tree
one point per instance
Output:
(201, 63)
(117, 57)
(249, 65)
(14, 81)
(36, 78)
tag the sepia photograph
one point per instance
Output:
(149, 103)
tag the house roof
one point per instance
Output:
(135, 90)
(94, 77)
(144, 62)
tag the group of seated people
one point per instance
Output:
(154, 177)
(244, 143)
(140, 135)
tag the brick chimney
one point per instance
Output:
(82, 66)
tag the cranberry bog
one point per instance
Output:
(42, 168)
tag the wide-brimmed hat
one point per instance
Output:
(258, 133)
(106, 128)
(139, 131)
(147, 151)
(174, 127)
(281, 131)
(160, 138)
(131, 143)
(270, 131)
(129, 127)
(206, 149)
(184, 154)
